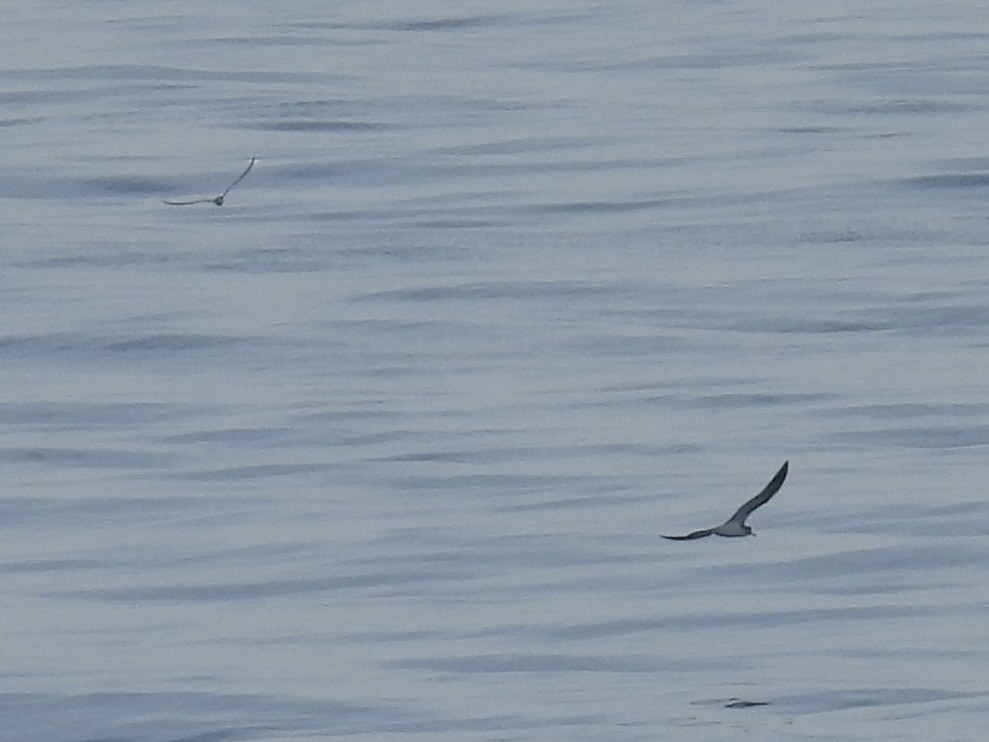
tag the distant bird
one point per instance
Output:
(738, 703)
(219, 199)
(735, 525)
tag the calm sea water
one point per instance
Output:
(381, 448)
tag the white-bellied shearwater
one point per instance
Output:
(735, 525)
(219, 199)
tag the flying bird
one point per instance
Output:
(735, 525)
(219, 199)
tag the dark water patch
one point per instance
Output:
(270, 553)
(932, 316)
(313, 259)
(23, 121)
(891, 586)
(520, 454)
(456, 224)
(672, 622)
(496, 290)
(48, 94)
(111, 258)
(446, 24)
(602, 206)
(950, 181)
(505, 553)
(974, 164)
(270, 437)
(576, 630)
(223, 592)
(911, 315)
(520, 727)
(829, 130)
(471, 482)
(530, 18)
(44, 187)
(675, 383)
(854, 107)
(909, 410)
(49, 566)
(26, 346)
(490, 455)
(126, 185)
(43, 509)
(823, 326)
(328, 171)
(930, 436)
(66, 416)
(393, 637)
(323, 126)
(856, 698)
(706, 61)
(605, 500)
(527, 146)
(936, 105)
(891, 236)
(189, 717)
(897, 560)
(87, 458)
(745, 400)
(268, 261)
(685, 400)
(372, 439)
(396, 326)
(633, 345)
(170, 342)
(249, 472)
(156, 73)
(516, 662)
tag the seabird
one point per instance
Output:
(738, 703)
(735, 525)
(219, 199)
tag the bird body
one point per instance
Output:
(735, 526)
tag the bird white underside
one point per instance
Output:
(731, 528)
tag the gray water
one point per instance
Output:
(381, 448)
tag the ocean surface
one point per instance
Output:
(381, 448)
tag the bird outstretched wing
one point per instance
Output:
(239, 178)
(190, 203)
(694, 534)
(763, 497)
